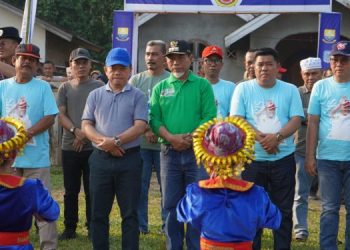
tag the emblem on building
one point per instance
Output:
(226, 3)
(329, 36)
(123, 34)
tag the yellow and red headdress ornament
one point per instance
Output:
(224, 146)
(12, 138)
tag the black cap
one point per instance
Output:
(79, 53)
(10, 33)
(341, 48)
(28, 50)
(178, 47)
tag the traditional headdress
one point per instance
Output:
(12, 138)
(224, 146)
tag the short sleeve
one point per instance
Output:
(238, 102)
(314, 104)
(90, 107)
(296, 106)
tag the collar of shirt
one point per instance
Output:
(127, 87)
(190, 78)
(304, 89)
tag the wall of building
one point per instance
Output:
(209, 28)
(8, 18)
(214, 27)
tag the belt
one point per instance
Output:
(14, 238)
(127, 151)
(216, 245)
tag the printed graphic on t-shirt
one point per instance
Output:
(18, 110)
(266, 119)
(340, 119)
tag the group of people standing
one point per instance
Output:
(115, 134)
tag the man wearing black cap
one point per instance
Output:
(328, 143)
(179, 104)
(76, 148)
(9, 40)
(31, 100)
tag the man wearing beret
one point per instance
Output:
(328, 143)
(179, 104)
(9, 40)
(311, 72)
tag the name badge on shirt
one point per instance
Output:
(168, 92)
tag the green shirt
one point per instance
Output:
(181, 106)
(145, 82)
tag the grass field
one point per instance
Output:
(155, 240)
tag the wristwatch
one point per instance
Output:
(279, 136)
(72, 129)
(117, 141)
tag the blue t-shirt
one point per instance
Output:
(326, 101)
(29, 102)
(223, 91)
(268, 110)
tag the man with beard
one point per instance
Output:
(223, 90)
(31, 100)
(150, 148)
(179, 104)
(311, 72)
(9, 40)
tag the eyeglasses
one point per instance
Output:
(341, 60)
(215, 61)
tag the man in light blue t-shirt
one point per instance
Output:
(274, 109)
(328, 131)
(212, 64)
(31, 101)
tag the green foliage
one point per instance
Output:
(89, 19)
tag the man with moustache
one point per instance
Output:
(311, 72)
(328, 143)
(114, 118)
(248, 62)
(179, 104)
(76, 148)
(223, 90)
(274, 109)
(9, 40)
(31, 100)
(150, 148)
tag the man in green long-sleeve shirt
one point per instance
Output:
(179, 104)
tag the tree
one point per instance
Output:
(89, 19)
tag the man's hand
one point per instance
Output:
(117, 151)
(79, 134)
(151, 137)
(106, 144)
(310, 166)
(181, 142)
(78, 144)
(270, 143)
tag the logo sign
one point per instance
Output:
(226, 3)
(123, 34)
(329, 36)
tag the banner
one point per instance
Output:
(228, 6)
(123, 28)
(28, 21)
(328, 34)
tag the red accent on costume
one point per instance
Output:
(229, 183)
(215, 245)
(11, 181)
(14, 238)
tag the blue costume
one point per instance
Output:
(228, 210)
(20, 199)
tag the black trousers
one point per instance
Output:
(75, 166)
(278, 179)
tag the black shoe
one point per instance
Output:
(67, 235)
(144, 232)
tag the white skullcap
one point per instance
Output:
(311, 63)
